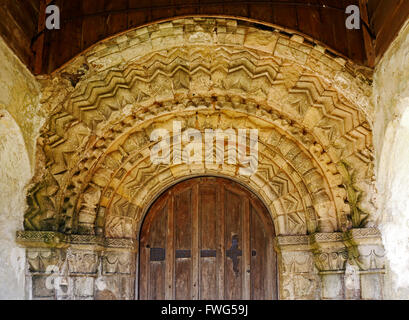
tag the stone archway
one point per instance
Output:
(314, 173)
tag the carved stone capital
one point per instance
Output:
(49, 239)
(291, 243)
(365, 249)
(82, 261)
(299, 279)
(41, 239)
(117, 262)
(44, 260)
(330, 254)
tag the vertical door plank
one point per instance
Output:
(246, 249)
(195, 242)
(157, 269)
(221, 251)
(263, 225)
(170, 257)
(233, 211)
(183, 241)
(152, 271)
(144, 268)
(208, 214)
(258, 260)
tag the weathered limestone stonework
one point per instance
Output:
(391, 100)
(95, 182)
(319, 266)
(78, 267)
(310, 267)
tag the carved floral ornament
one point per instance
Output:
(94, 175)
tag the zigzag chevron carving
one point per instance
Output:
(96, 141)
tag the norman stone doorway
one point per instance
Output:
(207, 238)
(95, 178)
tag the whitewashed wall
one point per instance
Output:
(20, 121)
(391, 134)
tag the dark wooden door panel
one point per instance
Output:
(233, 214)
(207, 238)
(259, 246)
(183, 207)
(152, 267)
(208, 215)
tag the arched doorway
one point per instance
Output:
(207, 238)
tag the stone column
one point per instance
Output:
(320, 266)
(82, 265)
(43, 268)
(298, 277)
(352, 282)
(78, 267)
(350, 264)
(117, 278)
(330, 255)
(366, 254)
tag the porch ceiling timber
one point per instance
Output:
(86, 22)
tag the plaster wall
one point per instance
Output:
(20, 120)
(391, 140)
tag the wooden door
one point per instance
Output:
(207, 238)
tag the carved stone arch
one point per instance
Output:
(267, 153)
(310, 144)
(297, 86)
(312, 110)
